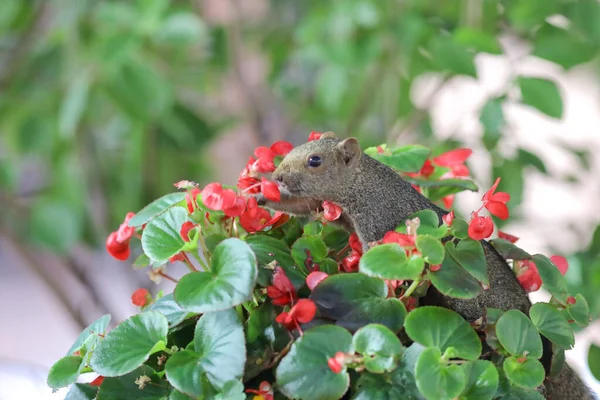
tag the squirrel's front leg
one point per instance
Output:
(290, 204)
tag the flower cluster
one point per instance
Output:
(117, 243)
(482, 227)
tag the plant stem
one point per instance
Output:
(168, 277)
(202, 264)
(411, 288)
(188, 262)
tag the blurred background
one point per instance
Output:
(105, 104)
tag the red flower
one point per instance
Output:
(448, 218)
(185, 230)
(303, 312)
(282, 291)
(528, 275)
(314, 136)
(98, 381)
(264, 392)
(282, 147)
(571, 300)
(355, 243)
(336, 363)
(496, 202)
(238, 207)
(314, 278)
(402, 239)
(125, 232)
(480, 227)
(249, 184)
(427, 169)
(119, 250)
(270, 190)
(506, 236)
(380, 150)
(177, 257)
(350, 262)
(217, 198)
(331, 211)
(561, 263)
(448, 201)
(190, 199)
(452, 157)
(140, 297)
(256, 218)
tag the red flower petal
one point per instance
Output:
(571, 300)
(249, 184)
(140, 297)
(506, 236)
(452, 157)
(254, 219)
(119, 250)
(448, 218)
(334, 365)
(502, 197)
(270, 190)
(282, 147)
(314, 278)
(487, 196)
(448, 201)
(561, 263)
(331, 211)
(282, 282)
(460, 170)
(285, 319)
(480, 227)
(98, 381)
(238, 207)
(314, 136)
(125, 232)
(402, 239)
(427, 169)
(529, 277)
(185, 230)
(190, 199)
(177, 257)
(355, 243)
(350, 262)
(498, 209)
(304, 311)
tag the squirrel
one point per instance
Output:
(374, 200)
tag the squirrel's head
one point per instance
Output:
(317, 169)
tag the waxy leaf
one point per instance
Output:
(543, 95)
(65, 371)
(126, 387)
(185, 372)
(161, 239)
(551, 277)
(528, 374)
(81, 391)
(388, 261)
(580, 311)
(307, 249)
(594, 360)
(442, 328)
(355, 300)
(130, 344)
(232, 390)
(167, 306)
(454, 281)
(551, 324)
(304, 374)
(380, 347)
(509, 251)
(269, 249)
(260, 319)
(155, 208)
(230, 281)
(448, 184)
(398, 384)
(404, 159)
(429, 224)
(518, 335)
(435, 379)
(431, 248)
(482, 380)
(96, 328)
(469, 255)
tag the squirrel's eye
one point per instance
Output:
(314, 161)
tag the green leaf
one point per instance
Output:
(541, 94)
(388, 261)
(380, 347)
(74, 104)
(308, 246)
(304, 374)
(260, 319)
(594, 360)
(553, 281)
(65, 371)
(156, 208)
(469, 255)
(354, 300)
(429, 224)
(517, 393)
(269, 249)
(551, 324)
(528, 374)
(81, 391)
(161, 239)
(48, 215)
(435, 379)
(509, 251)
(229, 283)
(476, 39)
(219, 337)
(398, 384)
(482, 380)
(453, 280)
(518, 335)
(232, 390)
(404, 159)
(96, 328)
(167, 306)
(125, 387)
(528, 158)
(492, 119)
(460, 228)
(563, 48)
(451, 183)
(451, 56)
(580, 311)
(431, 249)
(185, 372)
(442, 328)
(526, 15)
(130, 344)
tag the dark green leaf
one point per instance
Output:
(551, 324)
(429, 224)
(431, 248)
(155, 208)
(594, 360)
(380, 347)
(528, 374)
(404, 159)
(259, 320)
(269, 249)
(304, 374)
(454, 281)
(528, 14)
(442, 328)
(130, 344)
(435, 379)
(543, 95)
(562, 47)
(128, 386)
(518, 335)
(81, 391)
(469, 255)
(528, 158)
(308, 248)
(65, 371)
(232, 390)
(460, 228)
(161, 239)
(580, 311)
(509, 251)
(355, 300)
(482, 380)
(517, 393)
(492, 119)
(551, 277)
(96, 328)
(398, 384)
(167, 306)
(185, 372)
(229, 283)
(476, 39)
(453, 57)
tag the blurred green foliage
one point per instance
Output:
(105, 103)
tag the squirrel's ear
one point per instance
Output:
(351, 150)
(328, 135)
